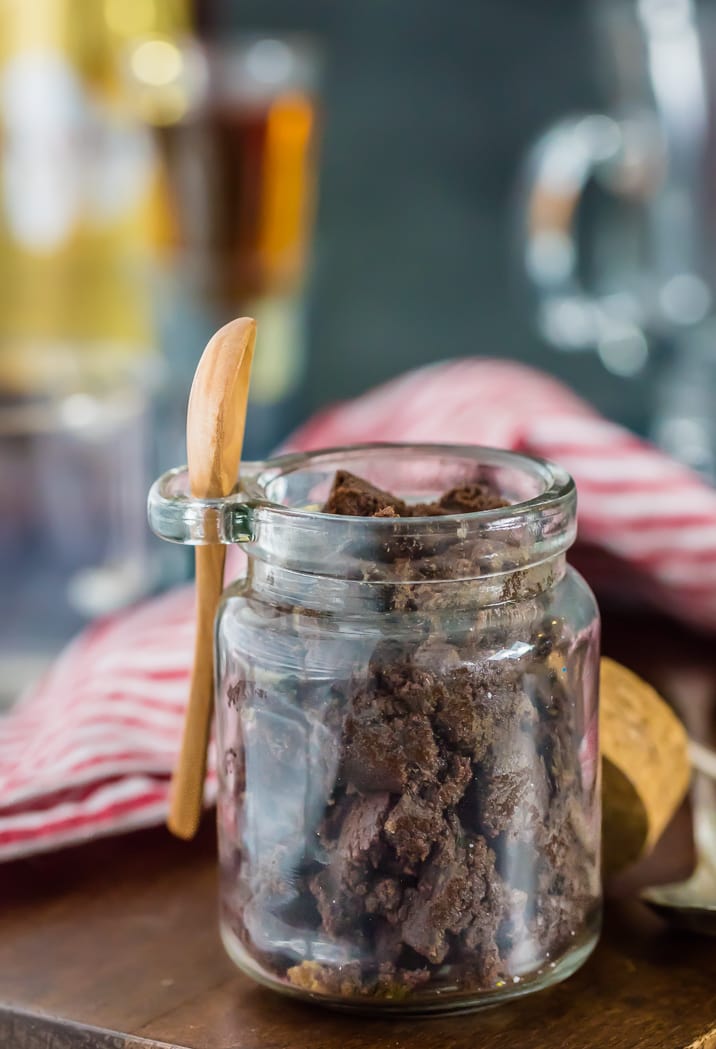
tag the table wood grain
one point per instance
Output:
(114, 945)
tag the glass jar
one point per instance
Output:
(409, 797)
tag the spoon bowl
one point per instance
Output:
(691, 905)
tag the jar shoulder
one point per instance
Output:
(288, 638)
(575, 594)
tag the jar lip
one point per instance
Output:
(519, 535)
(559, 488)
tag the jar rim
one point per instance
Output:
(558, 486)
(543, 524)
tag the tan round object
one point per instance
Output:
(645, 765)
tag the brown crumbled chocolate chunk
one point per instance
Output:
(426, 510)
(465, 499)
(470, 498)
(235, 694)
(460, 719)
(412, 688)
(435, 653)
(351, 496)
(361, 827)
(347, 981)
(341, 887)
(388, 941)
(341, 980)
(385, 897)
(488, 911)
(454, 784)
(388, 753)
(412, 828)
(449, 893)
(512, 803)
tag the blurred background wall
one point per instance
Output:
(429, 110)
(355, 176)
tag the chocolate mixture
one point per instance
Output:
(351, 496)
(454, 850)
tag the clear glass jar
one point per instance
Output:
(409, 799)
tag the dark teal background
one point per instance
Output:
(430, 106)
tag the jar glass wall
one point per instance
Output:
(407, 736)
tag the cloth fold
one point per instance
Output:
(90, 749)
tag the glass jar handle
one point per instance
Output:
(176, 515)
(623, 154)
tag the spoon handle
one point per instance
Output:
(188, 783)
(216, 418)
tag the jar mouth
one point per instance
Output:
(298, 483)
(276, 511)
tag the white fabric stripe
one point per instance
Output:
(639, 467)
(145, 816)
(29, 793)
(162, 655)
(142, 641)
(114, 738)
(92, 706)
(38, 792)
(112, 713)
(649, 505)
(70, 717)
(573, 429)
(105, 796)
(136, 686)
(672, 541)
(686, 573)
(131, 730)
(127, 738)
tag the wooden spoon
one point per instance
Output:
(216, 418)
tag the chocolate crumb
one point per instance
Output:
(351, 496)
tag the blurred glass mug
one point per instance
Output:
(642, 267)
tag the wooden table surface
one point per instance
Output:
(114, 945)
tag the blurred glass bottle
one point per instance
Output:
(78, 189)
(77, 180)
(236, 126)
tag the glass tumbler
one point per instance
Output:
(74, 544)
(409, 804)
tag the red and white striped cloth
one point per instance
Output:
(90, 750)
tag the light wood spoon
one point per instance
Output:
(216, 418)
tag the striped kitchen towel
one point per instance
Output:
(89, 751)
